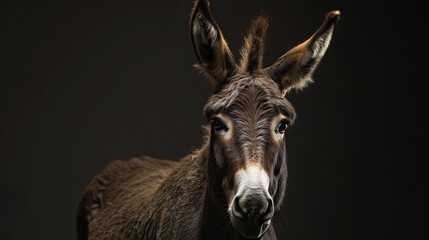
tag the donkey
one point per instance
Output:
(233, 185)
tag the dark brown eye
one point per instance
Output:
(217, 125)
(282, 127)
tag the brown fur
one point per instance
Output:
(215, 59)
(252, 52)
(145, 198)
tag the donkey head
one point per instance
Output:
(249, 114)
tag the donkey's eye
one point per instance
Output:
(282, 127)
(218, 125)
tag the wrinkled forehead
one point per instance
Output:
(251, 95)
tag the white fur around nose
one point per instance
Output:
(251, 178)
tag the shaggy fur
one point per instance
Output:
(252, 52)
(146, 198)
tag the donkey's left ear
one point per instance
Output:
(294, 69)
(213, 54)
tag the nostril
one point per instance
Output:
(236, 209)
(269, 213)
(255, 206)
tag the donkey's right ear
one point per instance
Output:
(213, 54)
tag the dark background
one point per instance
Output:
(86, 83)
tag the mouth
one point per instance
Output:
(251, 226)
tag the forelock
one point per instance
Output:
(237, 92)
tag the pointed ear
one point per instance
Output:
(213, 54)
(294, 69)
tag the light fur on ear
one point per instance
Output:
(215, 59)
(295, 68)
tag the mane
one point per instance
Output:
(252, 51)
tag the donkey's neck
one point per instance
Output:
(190, 203)
(215, 218)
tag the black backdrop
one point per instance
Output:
(86, 83)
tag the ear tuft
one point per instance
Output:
(252, 51)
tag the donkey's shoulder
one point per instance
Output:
(124, 171)
(120, 178)
(120, 175)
